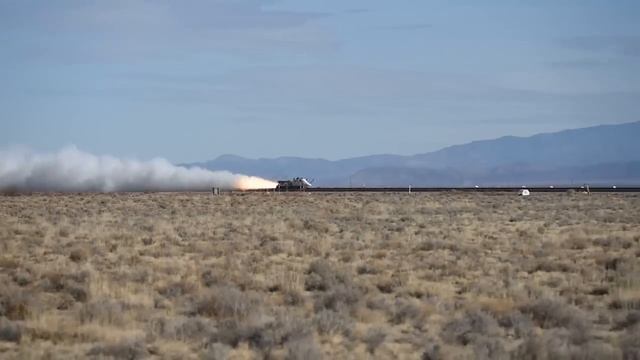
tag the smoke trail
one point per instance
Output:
(72, 170)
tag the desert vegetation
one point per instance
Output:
(312, 276)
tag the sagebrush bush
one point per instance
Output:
(550, 313)
(368, 269)
(78, 255)
(323, 275)
(22, 277)
(262, 333)
(15, 304)
(489, 348)
(374, 338)
(130, 350)
(181, 328)
(176, 289)
(431, 352)
(293, 297)
(103, 311)
(332, 322)
(216, 351)
(521, 325)
(630, 320)
(303, 349)
(223, 302)
(470, 327)
(74, 284)
(557, 344)
(407, 310)
(629, 343)
(9, 331)
(340, 297)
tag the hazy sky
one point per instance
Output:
(190, 80)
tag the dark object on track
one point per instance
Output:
(295, 184)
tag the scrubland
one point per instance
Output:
(312, 276)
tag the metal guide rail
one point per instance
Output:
(533, 189)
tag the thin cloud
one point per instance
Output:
(121, 31)
(580, 64)
(356, 11)
(149, 16)
(619, 45)
(407, 27)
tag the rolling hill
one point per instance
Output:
(600, 154)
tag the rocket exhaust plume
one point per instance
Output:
(72, 170)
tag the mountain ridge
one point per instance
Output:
(493, 161)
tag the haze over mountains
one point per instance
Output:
(606, 154)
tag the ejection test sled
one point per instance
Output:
(295, 184)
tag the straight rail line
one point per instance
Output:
(547, 189)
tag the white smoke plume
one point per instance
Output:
(72, 170)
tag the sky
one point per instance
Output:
(191, 80)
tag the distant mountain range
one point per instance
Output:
(605, 154)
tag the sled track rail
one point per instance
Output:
(533, 189)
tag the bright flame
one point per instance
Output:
(253, 182)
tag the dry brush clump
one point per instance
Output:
(312, 276)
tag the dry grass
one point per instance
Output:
(311, 276)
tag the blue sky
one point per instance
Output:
(190, 80)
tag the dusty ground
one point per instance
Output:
(308, 276)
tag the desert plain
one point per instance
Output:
(320, 276)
